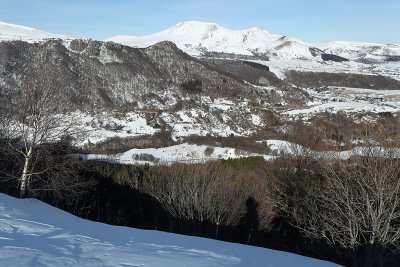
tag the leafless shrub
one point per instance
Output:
(113, 126)
(248, 144)
(56, 175)
(351, 204)
(260, 189)
(144, 157)
(215, 192)
(208, 151)
(182, 195)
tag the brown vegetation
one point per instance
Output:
(248, 144)
(322, 79)
(352, 205)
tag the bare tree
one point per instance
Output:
(198, 193)
(181, 190)
(354, 205)
(224, 201)
(8, 159)
(36, 117)
(213, 192)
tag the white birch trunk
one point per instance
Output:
(25, 173)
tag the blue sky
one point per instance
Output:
(308, 20)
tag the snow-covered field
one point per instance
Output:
(347, 106)
(281, 147)
(280, 66)
(188, 153)
(179, 153)
(35, 234)
(349, 100)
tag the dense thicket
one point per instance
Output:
(228, 200)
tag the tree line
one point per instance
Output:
(347, 211)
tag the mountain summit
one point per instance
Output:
(202, 39)
(197, 38)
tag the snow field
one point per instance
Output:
(33, 233)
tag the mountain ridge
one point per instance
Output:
(196, 38)
(210, 39)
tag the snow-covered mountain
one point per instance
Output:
(35, 234)
(357, 50)
(11, 32)
(199, 38)
(196, 38)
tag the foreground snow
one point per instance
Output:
(35, 234)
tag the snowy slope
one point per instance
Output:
(35, 234)
(10, 32)
(357, 50)
(196, 38)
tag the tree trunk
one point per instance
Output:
(216, 231)
(25, 174)
(249, 238)
(369, 255)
